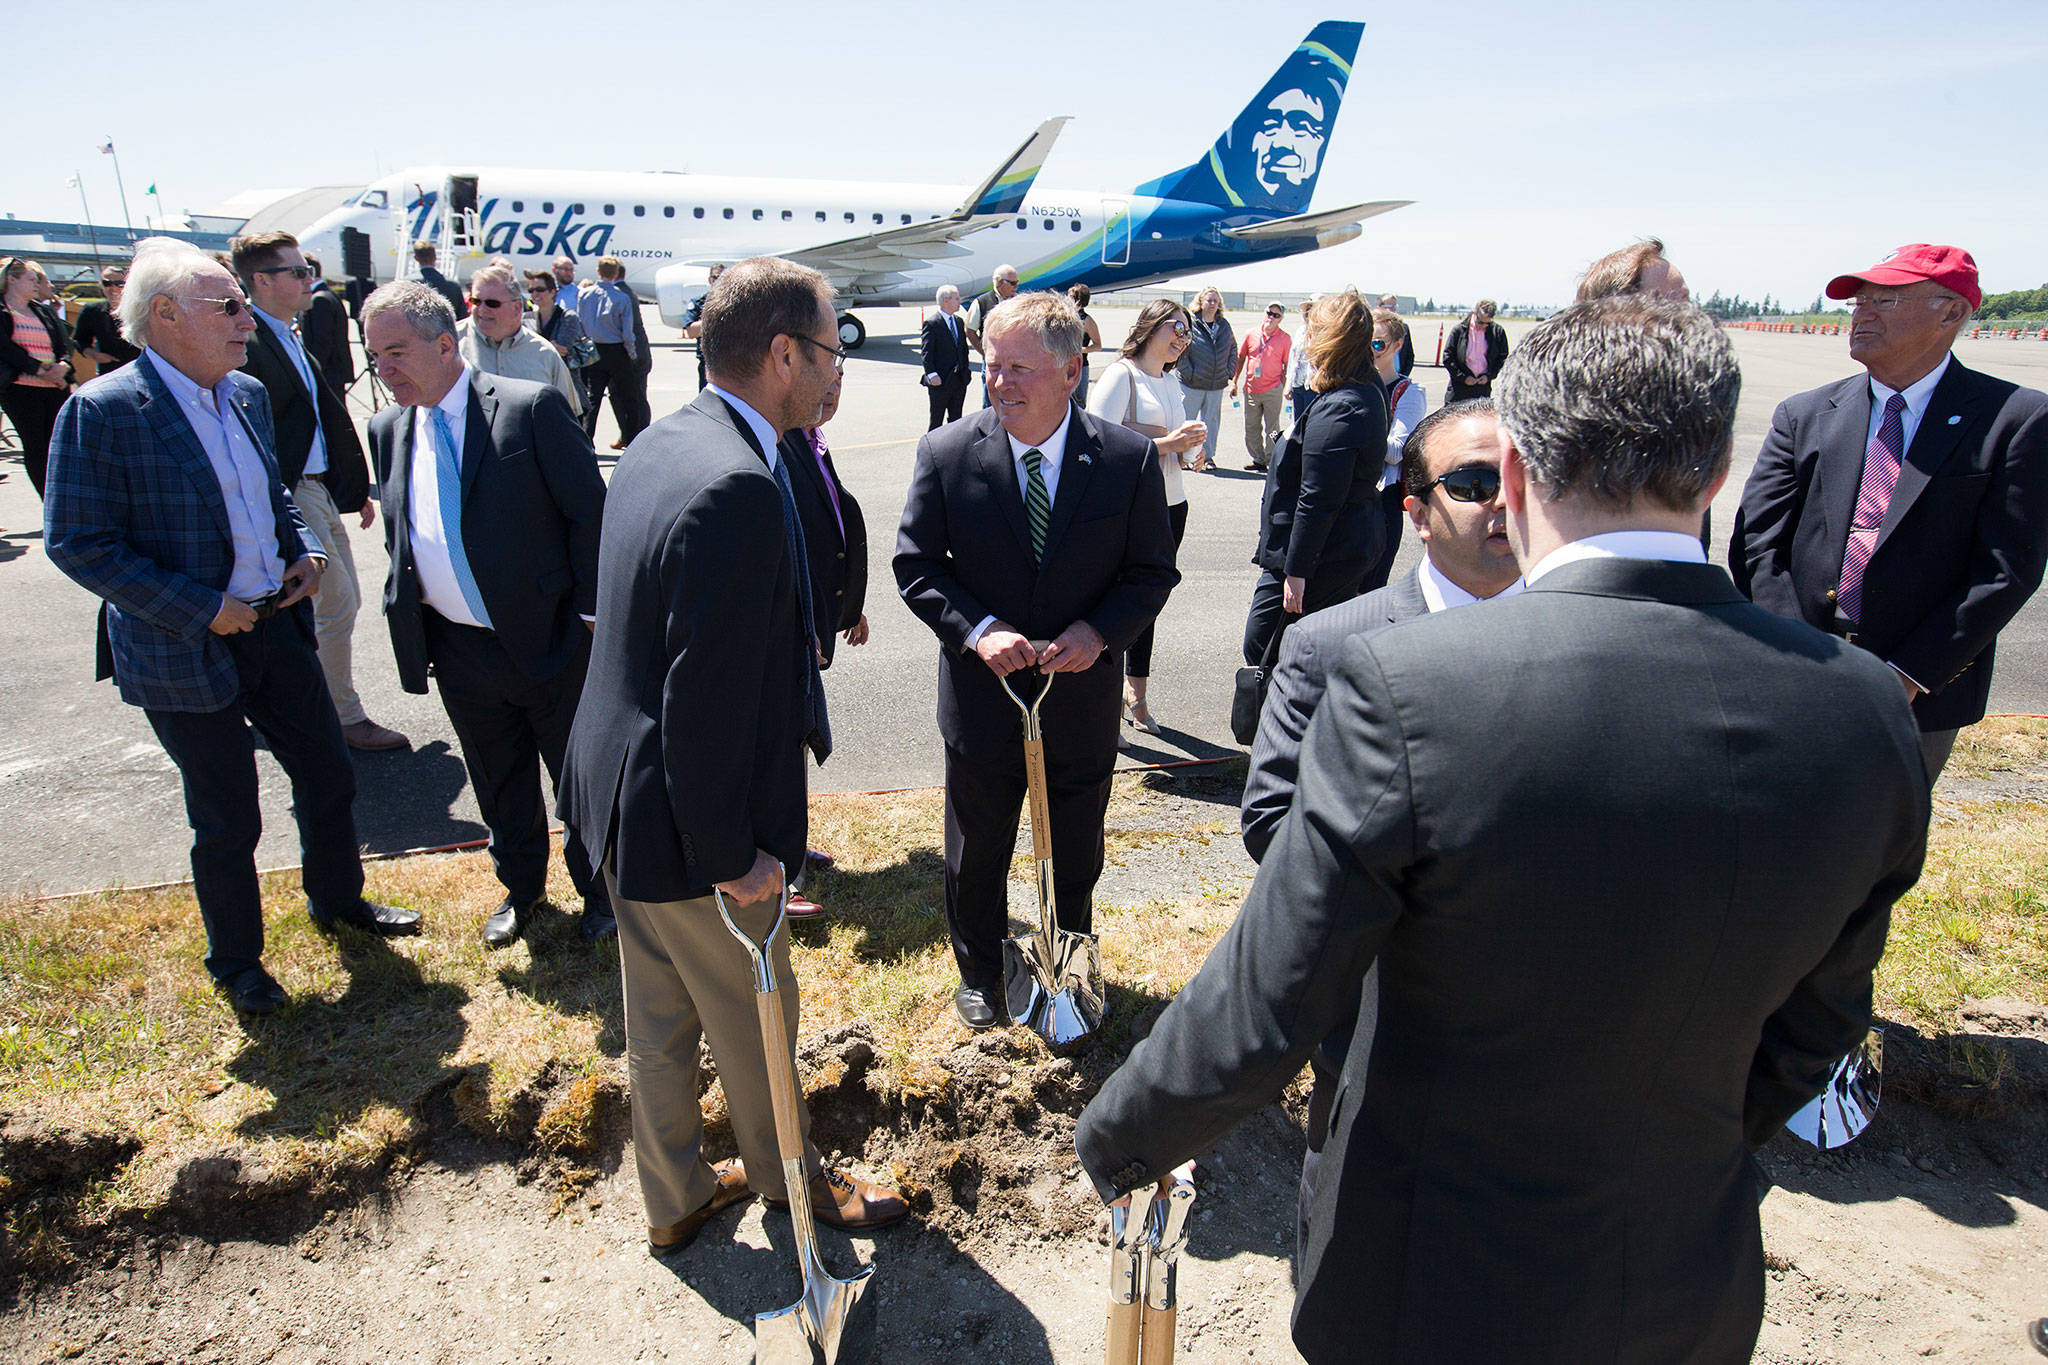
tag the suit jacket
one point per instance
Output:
(532, 501)
(1454, 354)
(943, 356)
(447, 289)
(1610, 964)
(294, 413)
(964, 552)
(14, 358)
(1310, 646)
(1962, 545)
(133, 512)
(324, 329)
(1321, 507)
(687, 754)
(839, 562)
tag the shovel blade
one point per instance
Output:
(1061, 999)
(832, 1324)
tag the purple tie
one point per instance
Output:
(1880, 476)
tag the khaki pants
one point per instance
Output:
(1261, 423)
(335, 605)
(686, 978)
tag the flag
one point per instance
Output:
(72, 183)
(107, 147)
(150, 190)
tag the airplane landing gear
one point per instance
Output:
(852, 333)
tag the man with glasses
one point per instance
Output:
(165, 500)
(1262, 368)
(1903, 509)
(1002, 288)
(685, 775)
(320, 457)
(492, 502)
(496, 339)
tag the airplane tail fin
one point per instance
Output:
(1270, 155)
(1006, 186)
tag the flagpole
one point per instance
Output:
(90, 236)
(108, 148)
(161, 221)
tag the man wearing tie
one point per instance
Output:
(947, 361)
(685, 774)
(319, 455)
(1033, 535)
(492, 503)
(1902, 509)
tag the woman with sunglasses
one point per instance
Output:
(560, 328)
(1140, 392)
(1205, 367)
(1407, 403)
(34, 364)
(99, 336)
(1321, 513)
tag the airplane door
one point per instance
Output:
(1116, 232)
(465, 233)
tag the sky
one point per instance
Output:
(1771, 145)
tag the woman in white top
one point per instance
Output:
(1138, 392)
(1407, 402)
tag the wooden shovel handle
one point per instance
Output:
(1041, 806)
(1123, 1332)
(1156, 1343)
(782, 1091)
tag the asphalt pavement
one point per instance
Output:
(89, 799)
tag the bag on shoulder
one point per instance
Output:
(582, 352)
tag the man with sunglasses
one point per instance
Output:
(496, 339)
(166, 501)
(1262, 366)
(320, 456)
(1903, 509)
(1577, 833)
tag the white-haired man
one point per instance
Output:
(947, 362)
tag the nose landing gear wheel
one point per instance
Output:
(852, 334)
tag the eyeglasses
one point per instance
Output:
(228, 307)
(1473, 483)
(838, 356)
(476, 302)
(297, 272)
(1885, 303)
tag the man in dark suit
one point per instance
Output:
(324, 328)
(1473, 354)
(1576, 831)
(319, 455)
(165, 501)
(947, 360)
(1903, 509)
(1032, 535)
(424, 255)
(492, 503)
(685, 773)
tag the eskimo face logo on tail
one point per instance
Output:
(1287, 149)
(1272, 153)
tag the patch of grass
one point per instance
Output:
(2000, 746)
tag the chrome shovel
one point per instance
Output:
(1129, 1233)
(1838, 1115)
(832, 1322)
(1052, 979)
(1162, 1266)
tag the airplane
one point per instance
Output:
(883, 244)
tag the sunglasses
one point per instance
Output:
(540, 287)
(476, 302)
(1180, 329)
(228, 307)
(1378, 345)
(1473, 483)
(297, 272)
(1276, 316)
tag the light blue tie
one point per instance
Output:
(448, 479)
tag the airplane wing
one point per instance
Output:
(1315, 224)
(872, 260)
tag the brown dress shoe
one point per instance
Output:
(732, 1188)
(843, 1200)
(369, 735)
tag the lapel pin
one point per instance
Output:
(1955, 419)
(1085, 458)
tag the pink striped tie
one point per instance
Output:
(1880, 476)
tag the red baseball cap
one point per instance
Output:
(1948, 266)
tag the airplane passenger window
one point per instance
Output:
(547, 206)
(518, 207)
(757, 215)
(787, 216)
(728, 214)
(576, 208)
(849, 217)
(608, 210)
(639, 210)
(696, 213)
(821, 215)
(1074, 223)
(906, 217)
(878, 218)
(1048, 225)
(668, 210)
(1020, 225)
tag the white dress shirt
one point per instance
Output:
(244, 480)
(288, 337)
(1052, 451)
(438, 586)
(756, 423)
(1441, 594)
(1916, 395)
(1677, 547)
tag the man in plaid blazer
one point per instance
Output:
(166, 502)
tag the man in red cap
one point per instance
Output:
(1903, 509)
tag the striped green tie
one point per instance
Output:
(1037, 506)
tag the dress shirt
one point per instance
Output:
(1678, 547)
(825, 474)
(1051, 451)
(764, 434)
(439, 587)
(568, 295)
(288, 337)
(244, 481)
(604, 310)
(1475, 352)
(1916, 395)
(1441, 594)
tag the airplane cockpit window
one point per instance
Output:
(373, 199)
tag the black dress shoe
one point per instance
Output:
(252, 991)
(392, 921)
(971, 1003)
(597, 923)
(507, 923)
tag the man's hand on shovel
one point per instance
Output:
(762, 880)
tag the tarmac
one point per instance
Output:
(89, 799)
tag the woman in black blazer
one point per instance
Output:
(1320, 527)
(35, 369)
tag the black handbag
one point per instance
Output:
(1248, 696)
